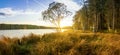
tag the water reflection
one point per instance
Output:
(21, 33)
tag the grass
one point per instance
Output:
(64, 43)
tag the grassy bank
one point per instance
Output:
(64, 43)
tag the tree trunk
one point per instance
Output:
(113, 17)
(59, 27)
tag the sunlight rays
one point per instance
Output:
(64, 23)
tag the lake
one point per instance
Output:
(24, 32)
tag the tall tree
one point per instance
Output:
(117, 14)
(55, 13)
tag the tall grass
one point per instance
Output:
(64, 43)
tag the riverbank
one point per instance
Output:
(63, 43)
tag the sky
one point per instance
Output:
(29, 11)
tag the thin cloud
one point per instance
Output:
(72, 5)
(12, 12)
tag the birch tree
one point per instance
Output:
(55, 13)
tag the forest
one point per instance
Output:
(98, 15)
(23, 26)
(27, 26)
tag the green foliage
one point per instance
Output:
(98, 15)
(20, 26)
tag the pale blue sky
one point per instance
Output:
(29, 11)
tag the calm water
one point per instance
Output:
(21, 33)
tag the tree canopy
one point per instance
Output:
(55, 12)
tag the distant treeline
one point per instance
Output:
(23, 26)
(26, 26)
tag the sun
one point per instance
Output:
(65, 23)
